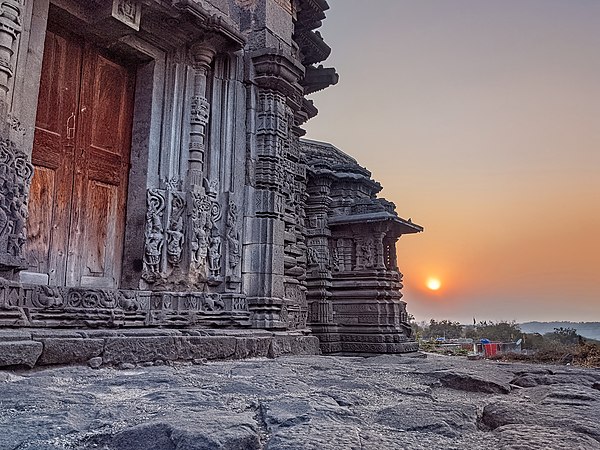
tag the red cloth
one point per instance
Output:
(490, 349)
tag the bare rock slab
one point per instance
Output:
(534, 437)
(474, 383)
(449, 420)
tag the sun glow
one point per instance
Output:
(434, 284)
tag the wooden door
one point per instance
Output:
(79, 188)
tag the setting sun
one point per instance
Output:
(434, 284)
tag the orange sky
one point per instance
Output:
(482, 122)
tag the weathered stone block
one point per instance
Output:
(20, 353)
(14, 335)
(209, 347)
(118, 350)
(294, 345)
(70, 350)
(252, 347)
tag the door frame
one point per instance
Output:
(150, 65)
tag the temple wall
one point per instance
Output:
(216, 215)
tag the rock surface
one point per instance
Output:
(301, 402)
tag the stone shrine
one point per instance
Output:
(157, 200)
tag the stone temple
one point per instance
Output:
(158, 202)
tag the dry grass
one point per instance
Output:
(584, 355)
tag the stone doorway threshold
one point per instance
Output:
(29, 348)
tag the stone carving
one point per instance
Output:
(49, 297)
(154, 235)
(15, 124)
(128, 301)
(15, 177)
(366, 252)
(175, 235)
(205, 239)
(201, 226)
(239, 304)
(200, 110)
(214, 253)
(213, 302)
(233, 236)
(172, 184)
(313, 257)
(128, 12)
(10, 27)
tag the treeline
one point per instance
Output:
(589, 330)
(561, 345)
(494, 331)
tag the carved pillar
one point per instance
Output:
(202, 56)
(274, 257)
(319, 265)
(379, 250)
(10, 27)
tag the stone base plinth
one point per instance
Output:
(33, 347)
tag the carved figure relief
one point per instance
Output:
(313, 257)
(128, 301)
(175, 234)
(200, 223)
(233, 236)
(154, 235)
(15, 177)
(366, 252)
(213, 302)
(214, 253)
(205, 239)
(49, 297)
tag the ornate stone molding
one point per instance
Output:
(51, 306)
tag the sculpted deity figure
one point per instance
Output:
(214, 255)
(154, 236)
(233, 238)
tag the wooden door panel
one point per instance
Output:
(100, 187)
(50, 195)
(39, 221)
(100, 239)
(110, 108)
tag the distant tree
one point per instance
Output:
(500, 331)
(444, 328)
(534, 341)
(564, 335)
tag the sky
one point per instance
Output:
(481, 119)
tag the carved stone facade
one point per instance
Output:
(165, 183)
(353, 281)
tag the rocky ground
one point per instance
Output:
(303, 402)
